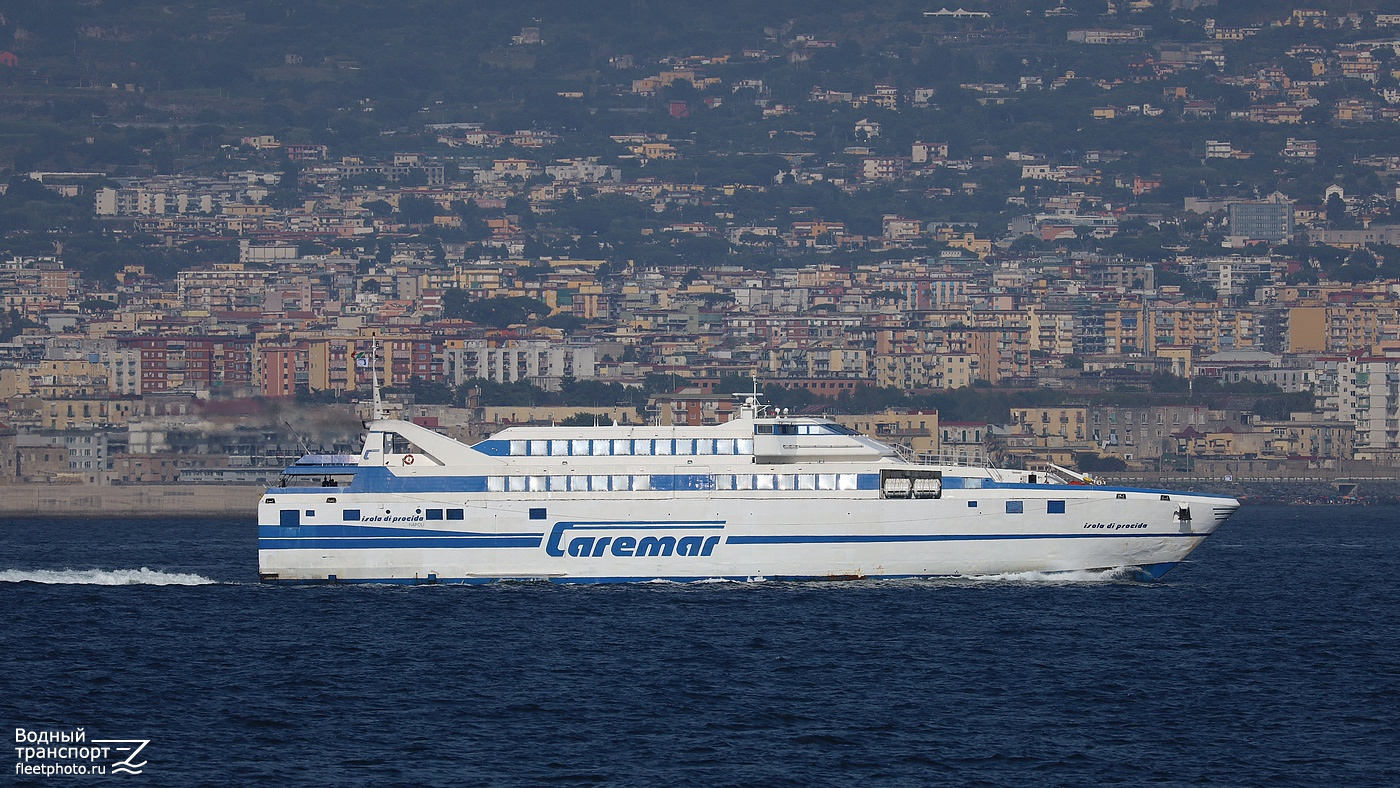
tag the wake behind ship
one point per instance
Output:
(763, 496)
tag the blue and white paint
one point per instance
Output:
(757, 497)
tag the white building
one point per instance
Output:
(1369, 397)
(536, 361)
(583, 170)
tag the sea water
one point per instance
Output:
(1272, 656)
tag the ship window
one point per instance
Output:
(559, 448)
(744, 446)
(807, 481)
(743, 482)
(432, 514)
(599, 482)
(558, 483)
(826, 481)
(724, 446)
(515, 483)
(641, 447)
(763, 429)
(310, 512)
(456, 514)
(621, 482)
(535, 483)
(578, 483)
(539, 448)
(1054, 507)
(972, 504)
(641, 482)
(663, 447)
(622, 447)
(847, 481)
(784, 429)
(602, 448)
(350, 515)
(705, 447)
(495, 484)
(724, 482)
(580, 448)
(537, 513)
(686, 446)
(518, 448)
(764, 481)
(786, 481)
(1015, 507)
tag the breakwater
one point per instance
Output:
(91, 500)
(1368, 485)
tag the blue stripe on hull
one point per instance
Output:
(351, 538)
(376, 531)
(394, 542)
(859, 538)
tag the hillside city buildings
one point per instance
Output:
(340, 255)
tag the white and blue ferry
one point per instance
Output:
(762, 496)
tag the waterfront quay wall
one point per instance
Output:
(1359, 483)
(91, 500)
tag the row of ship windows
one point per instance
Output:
(1019, 507)
(630, 448)
(353, 515)
(1012, 507)
(744, 481)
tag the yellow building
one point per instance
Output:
(1321, 439)
(1185, 323)
(1177, 360)
(661, 151)
(80, 413)
(1067, 423)
(1359, 325)
(966, 241)
(917, 430)
(1307, 329)
(1052, 330)
(926, 370)
(54, 378)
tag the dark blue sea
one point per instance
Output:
(1271, 657)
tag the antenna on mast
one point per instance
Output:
(750, 402)
(379, 412)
